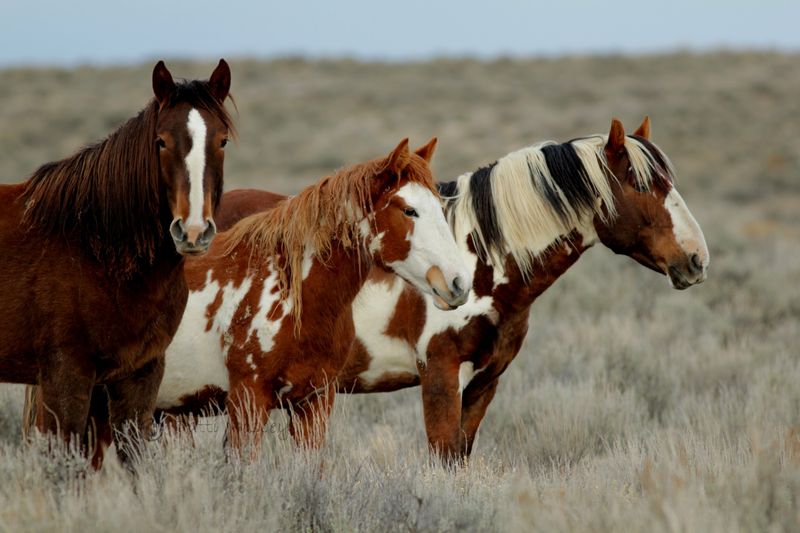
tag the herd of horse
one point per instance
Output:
(135, 290)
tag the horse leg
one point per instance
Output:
(441, 405)
(309, 420)
(98, 436)
(132, 401)
(66, 389)
(474, 403)
(248, 414)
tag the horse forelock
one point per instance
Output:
(331, 211)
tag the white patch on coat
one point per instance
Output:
(687, 231)
(196, 165)
(283, 391)
(373, 309)
(266, 327)
(432, 243)
(466, 372)
(195, 358)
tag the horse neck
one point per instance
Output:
(514, 290)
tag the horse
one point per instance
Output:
(92, 269)
(268, 323)
(521, 223)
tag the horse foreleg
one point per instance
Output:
(474, 402)
(132, 401)
(66, 389)
(309, 420)
(441, 405)
(248, 414)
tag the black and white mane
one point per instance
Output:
(530, 199)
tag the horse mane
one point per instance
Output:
(107, 196)
(531, 199)
(332, 210)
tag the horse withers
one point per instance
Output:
(91, 275)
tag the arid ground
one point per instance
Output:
(631, 407)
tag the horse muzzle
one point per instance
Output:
(447, 295)
(193, 239)
(684, 274)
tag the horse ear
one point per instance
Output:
(220, 81)
(616, 138)
(400, 157)
(162, 83)
(643, 130)
(426, 152)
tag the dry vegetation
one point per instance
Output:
(631, 407)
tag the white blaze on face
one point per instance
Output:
(196, 166)
(432, 243)
(687, 231)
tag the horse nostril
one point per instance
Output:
(209, 232)
(458, 290)
(696, 262)
(177, 230)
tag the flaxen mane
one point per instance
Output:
(107, 196)
(331, 210)
(531, 198)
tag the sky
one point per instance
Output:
(72, 32)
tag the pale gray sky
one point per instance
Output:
(104, 31)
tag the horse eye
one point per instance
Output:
(410, 212)
(160, 143)
(224, 143)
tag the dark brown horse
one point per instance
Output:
(91, 272)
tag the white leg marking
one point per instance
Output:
(196, 165)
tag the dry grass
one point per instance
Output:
(631, 407)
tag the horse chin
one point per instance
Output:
(678, 281)
(190, 251)
(440, 303)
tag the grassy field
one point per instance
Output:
(631, 407)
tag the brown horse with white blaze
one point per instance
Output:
(91, 276)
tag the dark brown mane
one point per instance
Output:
(323, 213)
(107, 196)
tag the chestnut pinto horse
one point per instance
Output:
(92, 286)
(521, 223)
(269, 316)
(268, 323)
